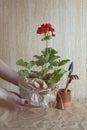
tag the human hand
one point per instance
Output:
(12, 97)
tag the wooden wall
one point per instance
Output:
(19, 20)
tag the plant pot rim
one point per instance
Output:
(62, 90)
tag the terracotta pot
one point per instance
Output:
(63, 100)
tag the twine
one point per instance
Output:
(61, 100)
(57, 89)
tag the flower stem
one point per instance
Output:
(46, 48)
(46, 44)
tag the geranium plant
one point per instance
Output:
(50, 63)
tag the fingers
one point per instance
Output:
(3, 93)
(24, 101)
(15, 98)
(12, 97)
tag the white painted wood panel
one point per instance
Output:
(19, 20)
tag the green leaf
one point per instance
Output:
(53, 58)
(48, 37)
(21, 62)
(57, 75)
(36, 56)
(31, 64)
(41, 60)
(27, 65)
(42, 74)
(54, 63)
(50, 50)
(50, 67)
(46, 57)
(62, 72)
(24, 73)
(50, 54)
(62, 62)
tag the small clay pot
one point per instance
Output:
(63, 100)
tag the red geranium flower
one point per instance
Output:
(45, 28)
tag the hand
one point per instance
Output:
(12, 97)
